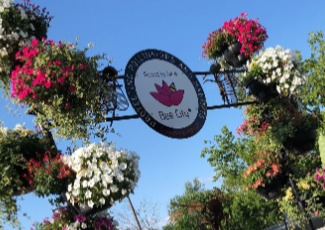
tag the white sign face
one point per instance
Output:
(165, 93)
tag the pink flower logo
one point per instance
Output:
(168, 95)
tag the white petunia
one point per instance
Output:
(88, 194)
(106, 192)
(76, 192)
(4, 130)
(91, 183)
(114, 189)
(84, 183)
(102, 201)
(90, 203)
(122, 166)
(19, 127)
(119, 176)
(67, 195)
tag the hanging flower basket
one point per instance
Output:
(276, 67)
(274, 188)
(104, 175)
(20, 23)
(17, 146)
(262, 91)
(303, 140)
(235, 42)
(49, 174)
(60, 83)
(232, 55)
(63, 218)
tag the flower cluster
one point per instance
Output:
(263, 161)
(62, 85)
(267, 165)
(63, 219)
(50, 175)
(310, 189)
(252, 127)
(19, 24)
(275, 129)
(249, 33)
(103, 175)
(278, 66)
(216, 43)
(17, 146)
(320, 176)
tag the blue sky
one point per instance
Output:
(122, 28)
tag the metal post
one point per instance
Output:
(134, 213)
(300, 203)
(285, 221)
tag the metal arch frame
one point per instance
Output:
(204, 73)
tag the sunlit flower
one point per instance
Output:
(98, 176)
(280, 66)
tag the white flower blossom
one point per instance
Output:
(280, 66)
(19, 127)
(84, 183)
(106, 192)
(102, 201)
(91, 183)
(90, 203)
(88, 194)
(122, 166)
(4, 131)
(83, 225)
(100, 169)
(114, 189)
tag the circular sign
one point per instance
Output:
(165, 93)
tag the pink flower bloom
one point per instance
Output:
(82, 66)
(72, 89)
(67, 106)
(168, 95)
(47, 84)
(40, 78)
(34, 42)
(56, 63)
(61, 80)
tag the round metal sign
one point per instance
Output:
(165, 93)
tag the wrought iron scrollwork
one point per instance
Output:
(118, 100)
(226, 81)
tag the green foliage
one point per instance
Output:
(321, 146)
(63, 87)
(17, 146)
(248, 210)
(20, 22)
(49, 174)
(313, 93)
(196, 209)
(225, 156)
(312, 194)
(232, 210)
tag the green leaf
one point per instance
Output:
(321, 144)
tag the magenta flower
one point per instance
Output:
(80, 218)
(104, 223)
(168, 95)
